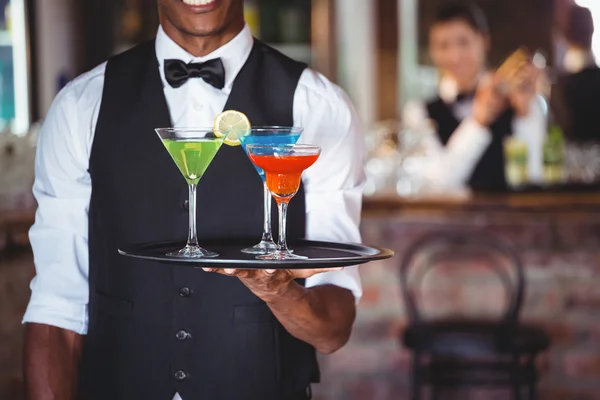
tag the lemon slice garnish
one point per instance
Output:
(231, 124)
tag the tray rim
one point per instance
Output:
(381, 254)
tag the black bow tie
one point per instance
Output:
(177, 72)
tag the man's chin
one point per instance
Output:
(203, 30)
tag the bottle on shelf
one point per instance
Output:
(554, 156)
(516, 156)
(252, 16)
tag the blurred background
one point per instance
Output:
(513, 306)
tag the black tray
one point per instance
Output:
(321, 255)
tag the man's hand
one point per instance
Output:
(322, 315)
(269, 284)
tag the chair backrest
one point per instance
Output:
(467, 245)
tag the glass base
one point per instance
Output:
(193, 252)
(281, 255)
(264, 247)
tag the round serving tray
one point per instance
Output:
(320, 255)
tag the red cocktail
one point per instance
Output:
(283, 166)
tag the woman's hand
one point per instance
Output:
(522, 88)
(489, 101)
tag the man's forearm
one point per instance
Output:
(51, 362)
(322, 316)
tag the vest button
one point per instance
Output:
(185, 292)
(186, 205)
(180, 375)
(182, 335)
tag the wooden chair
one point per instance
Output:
(460, 352)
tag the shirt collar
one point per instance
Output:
(448, 90)
(576, 60)
(233, 54)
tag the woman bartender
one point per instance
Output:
(473, 111)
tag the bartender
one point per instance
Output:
(471, 113)
(101, 326)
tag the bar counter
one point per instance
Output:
(545, 222)
(557, 205)
(518, 203)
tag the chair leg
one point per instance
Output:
(533, 394)
(532, 389)
(516, 391)
(417, 378)
(516, 380)
(435, 392)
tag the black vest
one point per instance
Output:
(574, 101)
(488, 175)
(156, 329)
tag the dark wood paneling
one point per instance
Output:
(98, 29)
(513, 23)
(323, 38)
(33, 65)
(387, 59)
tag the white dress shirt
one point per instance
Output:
(62, 187)
(454, 163)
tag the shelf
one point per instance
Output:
(297, 51)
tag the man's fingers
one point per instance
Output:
(227, 271)
(240, 273)
(245, 273)
(270, 273)
(274, 274)
(307, 273)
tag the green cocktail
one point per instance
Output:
(192, 150)
(192, 156)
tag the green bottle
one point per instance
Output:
(554, 156)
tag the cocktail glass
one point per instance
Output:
(267, 136)
(283, 166)
(192, 150)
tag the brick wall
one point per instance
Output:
(563, 295)
(563, 272)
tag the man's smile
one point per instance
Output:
(201, 5)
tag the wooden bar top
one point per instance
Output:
(514, 202)
(530, 202)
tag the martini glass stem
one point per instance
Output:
(267, 234)
(192, 234)
(283, 207)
